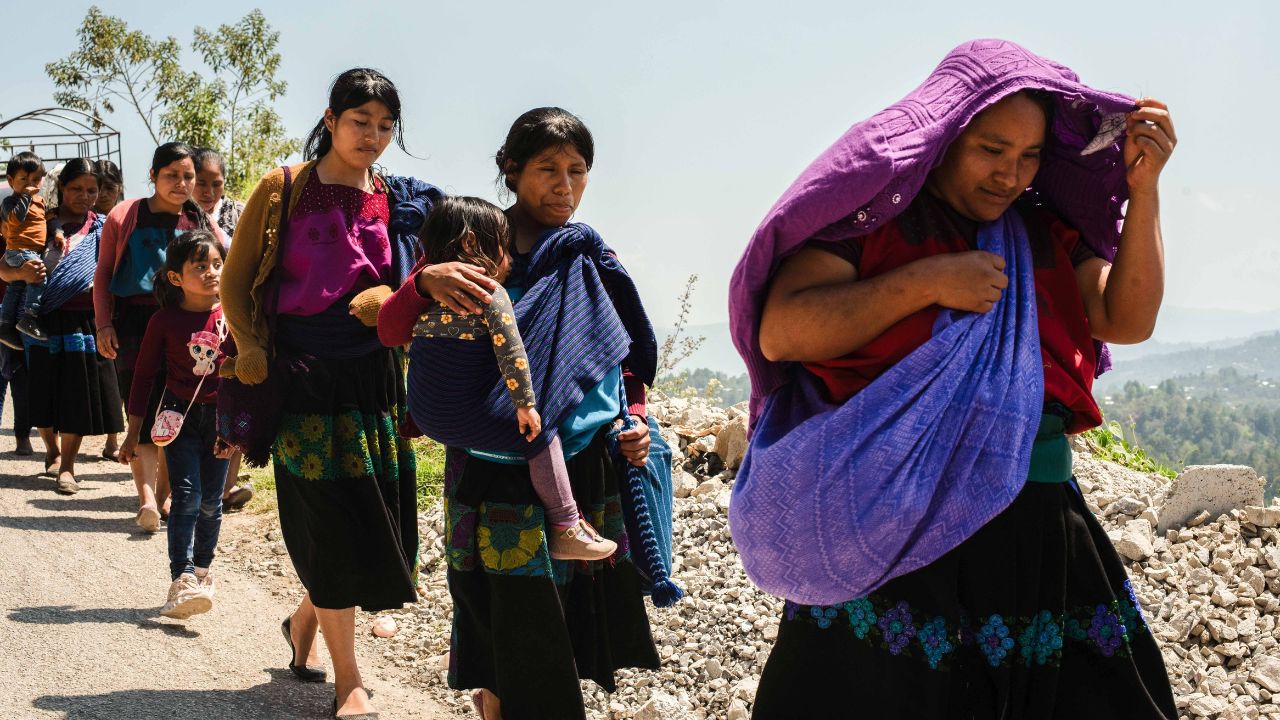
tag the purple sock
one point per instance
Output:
(551, 482)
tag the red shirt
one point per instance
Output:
(930, 227)
(167, 344)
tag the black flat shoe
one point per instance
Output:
(361, 716)
(305, 673)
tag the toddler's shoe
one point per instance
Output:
(168, 425)
(29, 325)
(9, 336)
(187, 597)
(580, 542)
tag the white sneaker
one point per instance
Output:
(207, 584)
(186, 598)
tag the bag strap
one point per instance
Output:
(282, 232)
(221, 326)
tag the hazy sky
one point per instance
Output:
(703, 112)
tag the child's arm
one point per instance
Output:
(398, 314)
(508, 346)
(18, 205)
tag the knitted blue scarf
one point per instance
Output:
(580, 317)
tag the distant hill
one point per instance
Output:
(1259, 356)
(1184, 337)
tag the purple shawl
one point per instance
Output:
(872, 172)
(832, 501)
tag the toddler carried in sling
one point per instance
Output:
(475, 231)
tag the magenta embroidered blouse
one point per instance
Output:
(337, 245)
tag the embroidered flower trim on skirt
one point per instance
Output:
(511, 539)
(1106, 628)
(348, 445)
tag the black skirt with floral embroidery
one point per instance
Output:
(1033, 617)
(525, 626)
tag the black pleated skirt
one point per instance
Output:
(525, 626)
(346, 483)
(1031, 618)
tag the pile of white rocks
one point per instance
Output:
(1203, 553)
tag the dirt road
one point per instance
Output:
(80, 632)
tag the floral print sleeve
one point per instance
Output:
(509, 348)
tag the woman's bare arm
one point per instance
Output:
(817, 308)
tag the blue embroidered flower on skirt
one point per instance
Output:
(1107, 630)
(862, 616)
(1041, 640)
(994, 640)
(934, 640)
(897, 628)
(1131, 613)
(823, 615)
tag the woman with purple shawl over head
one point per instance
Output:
(908, 484)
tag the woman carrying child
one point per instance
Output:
(78, 393)
(316, 277)
(133, 245)
(527, 627)
(183, 346)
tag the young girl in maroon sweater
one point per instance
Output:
(186, 340)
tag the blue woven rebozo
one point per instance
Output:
(647, 497)
(580, 317)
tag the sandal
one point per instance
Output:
(305, 673)
(148, 519)
(361, 716)
(239, 496)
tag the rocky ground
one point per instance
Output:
(1203, 553)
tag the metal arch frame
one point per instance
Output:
(86, 135)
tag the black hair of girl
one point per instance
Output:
(352, 89)
(172, 152)
(195, 245)
(109, 172)
(205, 156)
(448, 227)
(540, 129)
(77, 168)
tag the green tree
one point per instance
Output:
(244, 62)
(228, 110)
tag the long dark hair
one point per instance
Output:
(445, 233)
(205, 156)
(540, 129)
(352, 89)
(172, 152)
(195, 245)
(74, 169)
(110, 172)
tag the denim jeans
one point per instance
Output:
(29, 293)
(195, 486)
